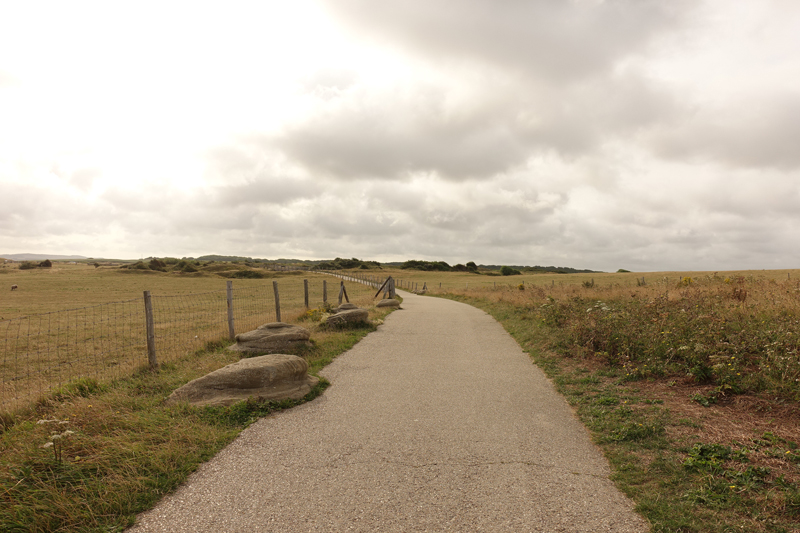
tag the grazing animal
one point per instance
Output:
(14, 287)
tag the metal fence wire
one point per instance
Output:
(41, 353)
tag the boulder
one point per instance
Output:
(270, 338)
(349, 315)
(390, 302)
(347, 306)
(271, 377)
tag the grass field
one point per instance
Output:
(74, 320)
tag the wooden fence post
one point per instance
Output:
(231, 331)
(151, 331)
(277, 301)
(324, 291)
(305, 290)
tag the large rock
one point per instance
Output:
(390, 302)
(347, 306)
(350, 315)
(270, 338)
(271, 377)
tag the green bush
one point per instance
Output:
(247, 274)
(508, 271)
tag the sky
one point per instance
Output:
(600, 134)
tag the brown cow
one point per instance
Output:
(14, 287)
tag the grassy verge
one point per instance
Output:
(690, 464)
(119, 449)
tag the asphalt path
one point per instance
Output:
(438, 421)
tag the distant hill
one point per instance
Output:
(42, 257)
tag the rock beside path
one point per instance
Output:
(270, 338)
(346, 307)
(390, 302)
(349, 315)
(269, 377)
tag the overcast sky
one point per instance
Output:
(639, 134)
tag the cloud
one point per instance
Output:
(745, 134)
(440, 129)
(559, 40)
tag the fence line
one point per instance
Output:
(43, 352)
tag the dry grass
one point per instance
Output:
(59, 325)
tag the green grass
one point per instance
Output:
(126, 448)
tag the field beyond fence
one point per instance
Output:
(42, 352)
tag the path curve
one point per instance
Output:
(438, 421)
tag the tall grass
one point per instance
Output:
(740, 334)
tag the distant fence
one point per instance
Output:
(42, 352)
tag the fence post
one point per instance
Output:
(231, 331)
(324, 291)
(392, 294)
(277, 301)
(305, 290)
(151, 331)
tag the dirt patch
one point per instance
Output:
(740, 420)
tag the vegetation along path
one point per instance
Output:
(436, 422)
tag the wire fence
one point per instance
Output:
(44, 352)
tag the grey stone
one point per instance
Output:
(271, 377)
(270, 338)
(350, 315)
(391, 302)
(347, 306)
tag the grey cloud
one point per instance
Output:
(415, 130)
(555, 38)
(249, 173)
(752, 134)
(401, 134)
(269, 190)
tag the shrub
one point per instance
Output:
(27, 265)
(247, 274)
(46, 263)
(508, 271)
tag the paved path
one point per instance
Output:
(436, 422)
